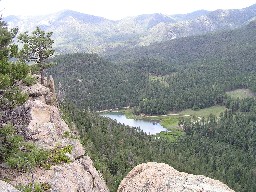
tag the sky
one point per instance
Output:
(117, 9)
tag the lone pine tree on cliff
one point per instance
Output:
(37, 47)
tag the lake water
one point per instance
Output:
(147, 126)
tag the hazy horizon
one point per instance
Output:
(116, 10)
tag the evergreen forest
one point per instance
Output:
(189, 73)
(192, 72)
(221, 147)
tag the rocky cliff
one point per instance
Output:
(39, 121)
(161, 177)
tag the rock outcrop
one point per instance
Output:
(155, 177)
(80, 175)
(39, 121)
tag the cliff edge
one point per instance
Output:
(155, 177)
(39, 121)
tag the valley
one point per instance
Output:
(192, 75)
(206, 82)
(195, 73)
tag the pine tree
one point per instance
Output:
(37, 47)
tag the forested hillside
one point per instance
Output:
(204, 68)
(193, 72)
(222, 147)
(91, 82)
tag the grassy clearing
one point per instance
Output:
(169, 122)
(215, 110)
(128, 113)
(240, 93)
(160, 79)
(172, 135)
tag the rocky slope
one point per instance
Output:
(39, 121)
(161, 177)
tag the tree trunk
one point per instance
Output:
(42, 76)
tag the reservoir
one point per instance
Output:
(147, 126)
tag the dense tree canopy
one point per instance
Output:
(90, 81)
(10, 72)
(222, 147)
(194, 72)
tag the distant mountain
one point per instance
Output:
(151, 20)
(190, 16)
(190, 24)
(238, 43)
(79, 32)
(73, 31)
(64, 15)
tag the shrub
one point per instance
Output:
(18, 153)
(5, 81)
(15, 96)
(22, 155)
(29, 80)
(19, 71)
(37, 187)
(59, 155)
(9, 142)
(29, 157)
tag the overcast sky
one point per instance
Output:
(117, 9)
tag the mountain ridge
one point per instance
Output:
(80, 32)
